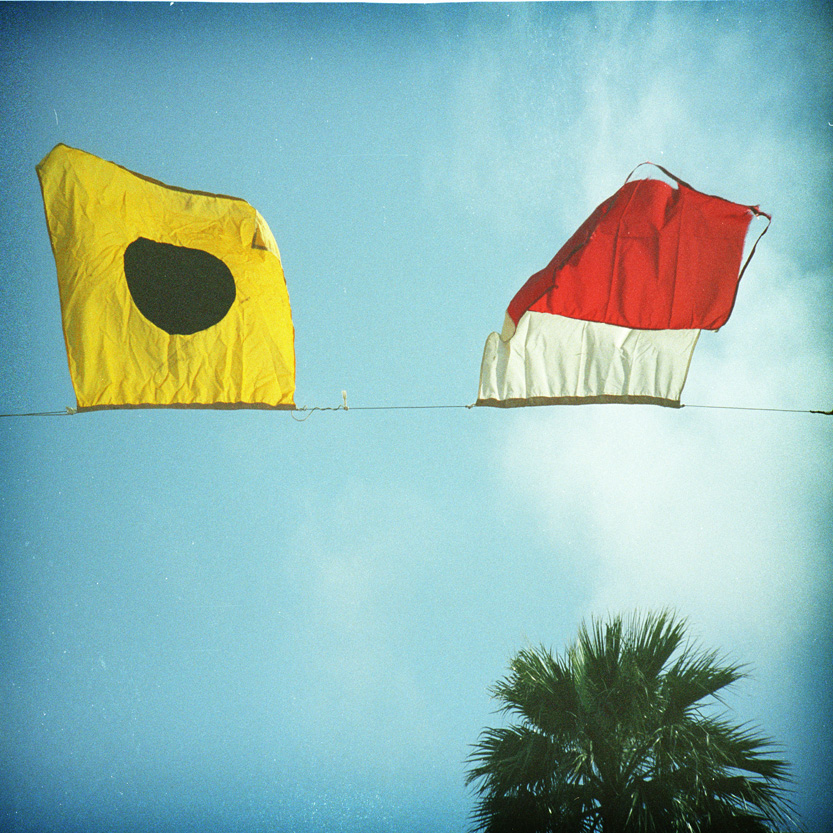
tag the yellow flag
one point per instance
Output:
(169, 298)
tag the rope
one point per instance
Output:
(778, 410)
(67, 412)
(401, 407)
(307, 411)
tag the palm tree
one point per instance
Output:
(620, 735)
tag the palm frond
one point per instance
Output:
(540, 689)
(618, 733)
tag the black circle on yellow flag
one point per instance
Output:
(179, 289)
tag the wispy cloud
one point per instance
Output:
(720, 516)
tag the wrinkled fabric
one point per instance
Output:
(554, 360)
(616, 314)
(117, 356)
(652, 256)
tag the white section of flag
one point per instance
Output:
(551, 359)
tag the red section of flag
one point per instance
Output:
(651, 257)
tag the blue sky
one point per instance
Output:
(238, 621)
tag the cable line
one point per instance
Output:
(777, 410)
(67, 412)
(307, 411)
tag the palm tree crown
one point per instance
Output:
(618, 736)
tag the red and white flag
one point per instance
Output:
(616, 315)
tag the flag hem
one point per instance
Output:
(205, 406)
(602, 399)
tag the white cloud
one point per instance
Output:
(715, 514)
